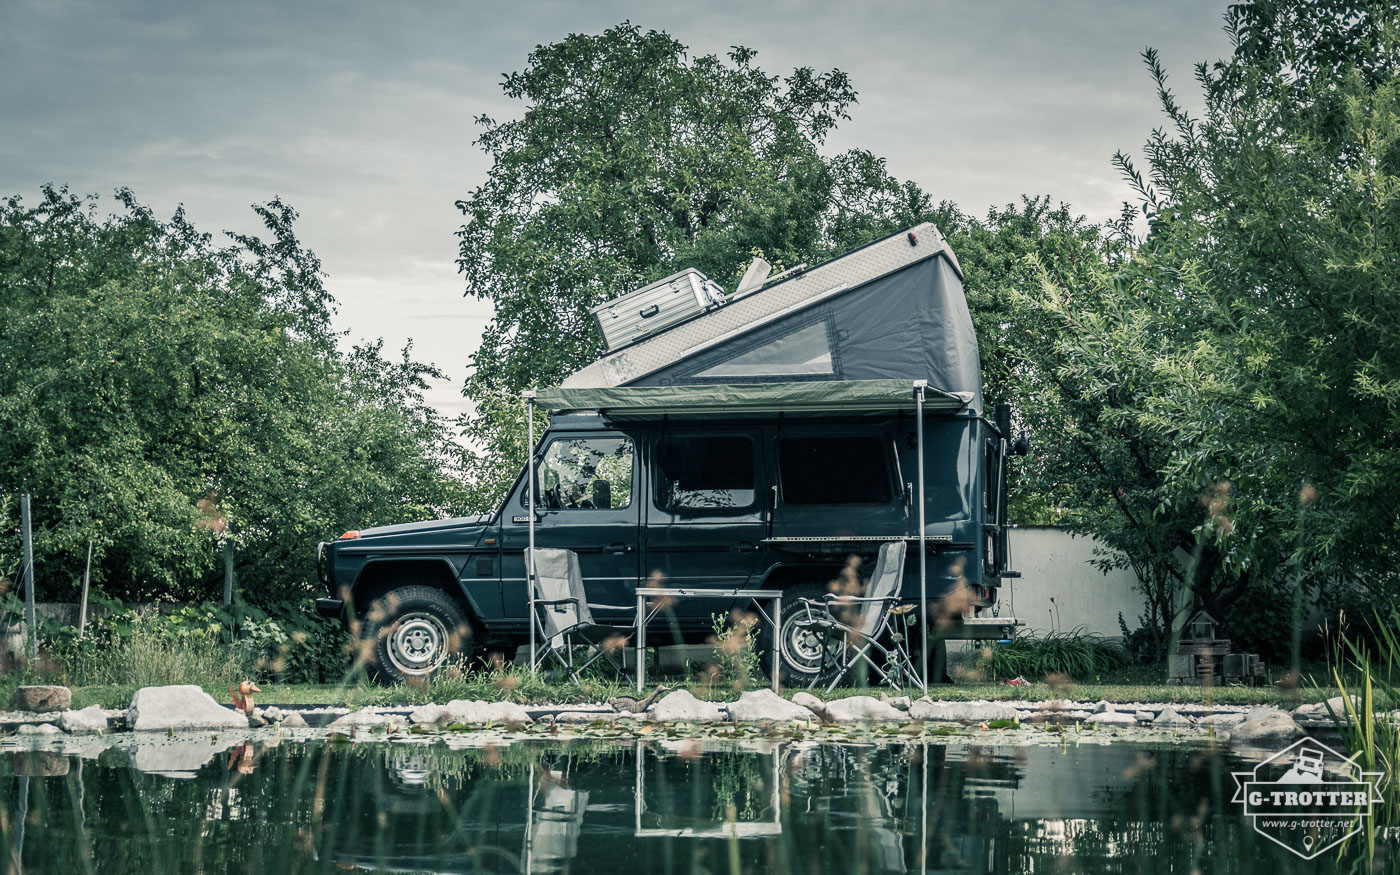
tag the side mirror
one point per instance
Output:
(1021, 447)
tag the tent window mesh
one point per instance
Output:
(804, 352)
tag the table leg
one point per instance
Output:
(777, 645)
(641, 641)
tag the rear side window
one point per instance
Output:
(849, 469)
(704, 472)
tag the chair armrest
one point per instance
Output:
(843, 599)
(568, 601)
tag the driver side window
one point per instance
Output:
(586, 474)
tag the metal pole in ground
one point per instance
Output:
(26, 524)
(923, 535)
(228, 573)
(529, 401)
(87, 579)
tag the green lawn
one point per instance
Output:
(1124, 688)
(1125, 685)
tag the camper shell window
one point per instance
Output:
(704, 472)
(834, 469)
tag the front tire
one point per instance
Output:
(412, 632)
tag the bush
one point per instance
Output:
(1075, 654)
(207, 644)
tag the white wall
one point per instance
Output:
(1055, 564)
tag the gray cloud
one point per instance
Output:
(361, 114)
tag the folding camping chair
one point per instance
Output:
(864, 623)
(564, 617)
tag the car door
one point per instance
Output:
(706, 511)
(585, 502)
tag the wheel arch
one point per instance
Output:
(380, 576)
(782, 575)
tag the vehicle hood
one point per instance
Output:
(460, 522)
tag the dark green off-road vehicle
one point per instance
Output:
(760, 443)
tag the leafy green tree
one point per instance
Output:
(1245, 358)
(162, 393)
(633, 160)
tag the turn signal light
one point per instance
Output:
(353, 533)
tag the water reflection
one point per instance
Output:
(674, 805)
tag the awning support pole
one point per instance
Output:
(919, 387)
(528, 398)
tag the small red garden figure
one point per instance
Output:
(243, 696)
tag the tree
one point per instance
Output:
(1246, 356)
(631, 161)
(161, 394)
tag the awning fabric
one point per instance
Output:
(650, 402)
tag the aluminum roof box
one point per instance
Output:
(656, 307)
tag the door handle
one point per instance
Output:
(620, 547)
(747, 546)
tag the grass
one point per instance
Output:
(1124, 686)
(1074, 654)
(110, 675)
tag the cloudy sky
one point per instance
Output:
(360, 113)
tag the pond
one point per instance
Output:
(669, 806)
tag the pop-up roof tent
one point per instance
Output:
(892, 310)
(885, 327)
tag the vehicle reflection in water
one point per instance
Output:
(672, 805)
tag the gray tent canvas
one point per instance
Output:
(892, 310)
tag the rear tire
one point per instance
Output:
(414, 631)
(801, 662)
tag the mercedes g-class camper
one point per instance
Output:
(762, 442)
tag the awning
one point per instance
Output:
(648, 402)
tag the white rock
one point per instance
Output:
(811, 703)
(759, 706)
(1111, 718)
(1144, 716)
(293, 720)
(681, 706)
(1102, 707)
(272, 712)
(962, 712)
(583, 716)
(45, 729)
(1318, 711)
(365, 719)
(859, 709)
(89, 720)
(477, 712)
(1265, 727)
(1171, 719)
(1225, 719)
(180, 707)
(903, 703)
(425, 714)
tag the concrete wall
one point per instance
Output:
(1055, 564)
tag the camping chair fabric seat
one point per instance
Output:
(564, 614)
(864, 622)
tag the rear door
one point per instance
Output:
(706, 511)
(586, 503)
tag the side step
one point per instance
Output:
(982, 629)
